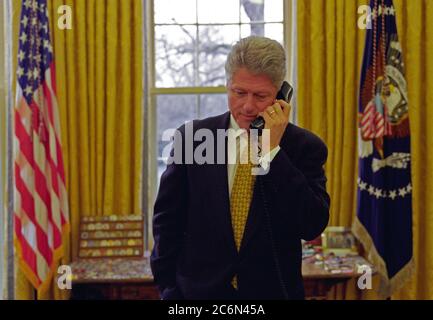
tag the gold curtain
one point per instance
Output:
(330, 48)
(99, 86)
(329, 56)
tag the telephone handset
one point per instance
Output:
(285, 94)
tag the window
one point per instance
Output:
(190, 40)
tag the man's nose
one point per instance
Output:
(250, 105)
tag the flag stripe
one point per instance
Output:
(29, 209)
(27, 251)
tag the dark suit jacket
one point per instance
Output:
(195, 256)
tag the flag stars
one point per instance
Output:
(409, 188)
(25, 21)
(389, 11)
(21, 55)
(393, 194)
(20, 72)
(378, 193)
(48, 45)
(30, 57)
(28, 4)
(36, 73)
(29, 74)
(35, 5)
(23, 37)
(38, 58)
(28, 91)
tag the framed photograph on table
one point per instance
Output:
(339, 241)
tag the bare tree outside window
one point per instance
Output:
(255, 11)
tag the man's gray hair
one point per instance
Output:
(259, 55)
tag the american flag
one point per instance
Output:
(375, 123)
(40, 198)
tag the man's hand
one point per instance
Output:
(276, 120)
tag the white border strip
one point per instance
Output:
(9, 105)
(2, 148)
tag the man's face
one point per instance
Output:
(249, 94)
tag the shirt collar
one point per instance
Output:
(234, 125)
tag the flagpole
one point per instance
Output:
(9, 106)
(148, 116)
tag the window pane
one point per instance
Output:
(175, 52)
(218, 11)
(213, 105)
(275, 31)
(172, 112)
(262, 10)
(175, 11)
(215, 44)
(252, 10)
(252, 30)
(274, 11)
(271, 30)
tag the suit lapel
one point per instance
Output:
(255, 215)
(220, 178)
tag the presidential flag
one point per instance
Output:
(384, 203)
(40, 199)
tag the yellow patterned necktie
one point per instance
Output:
(240, 200)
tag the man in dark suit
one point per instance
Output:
(221, 232)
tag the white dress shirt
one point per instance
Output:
(237, 135)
